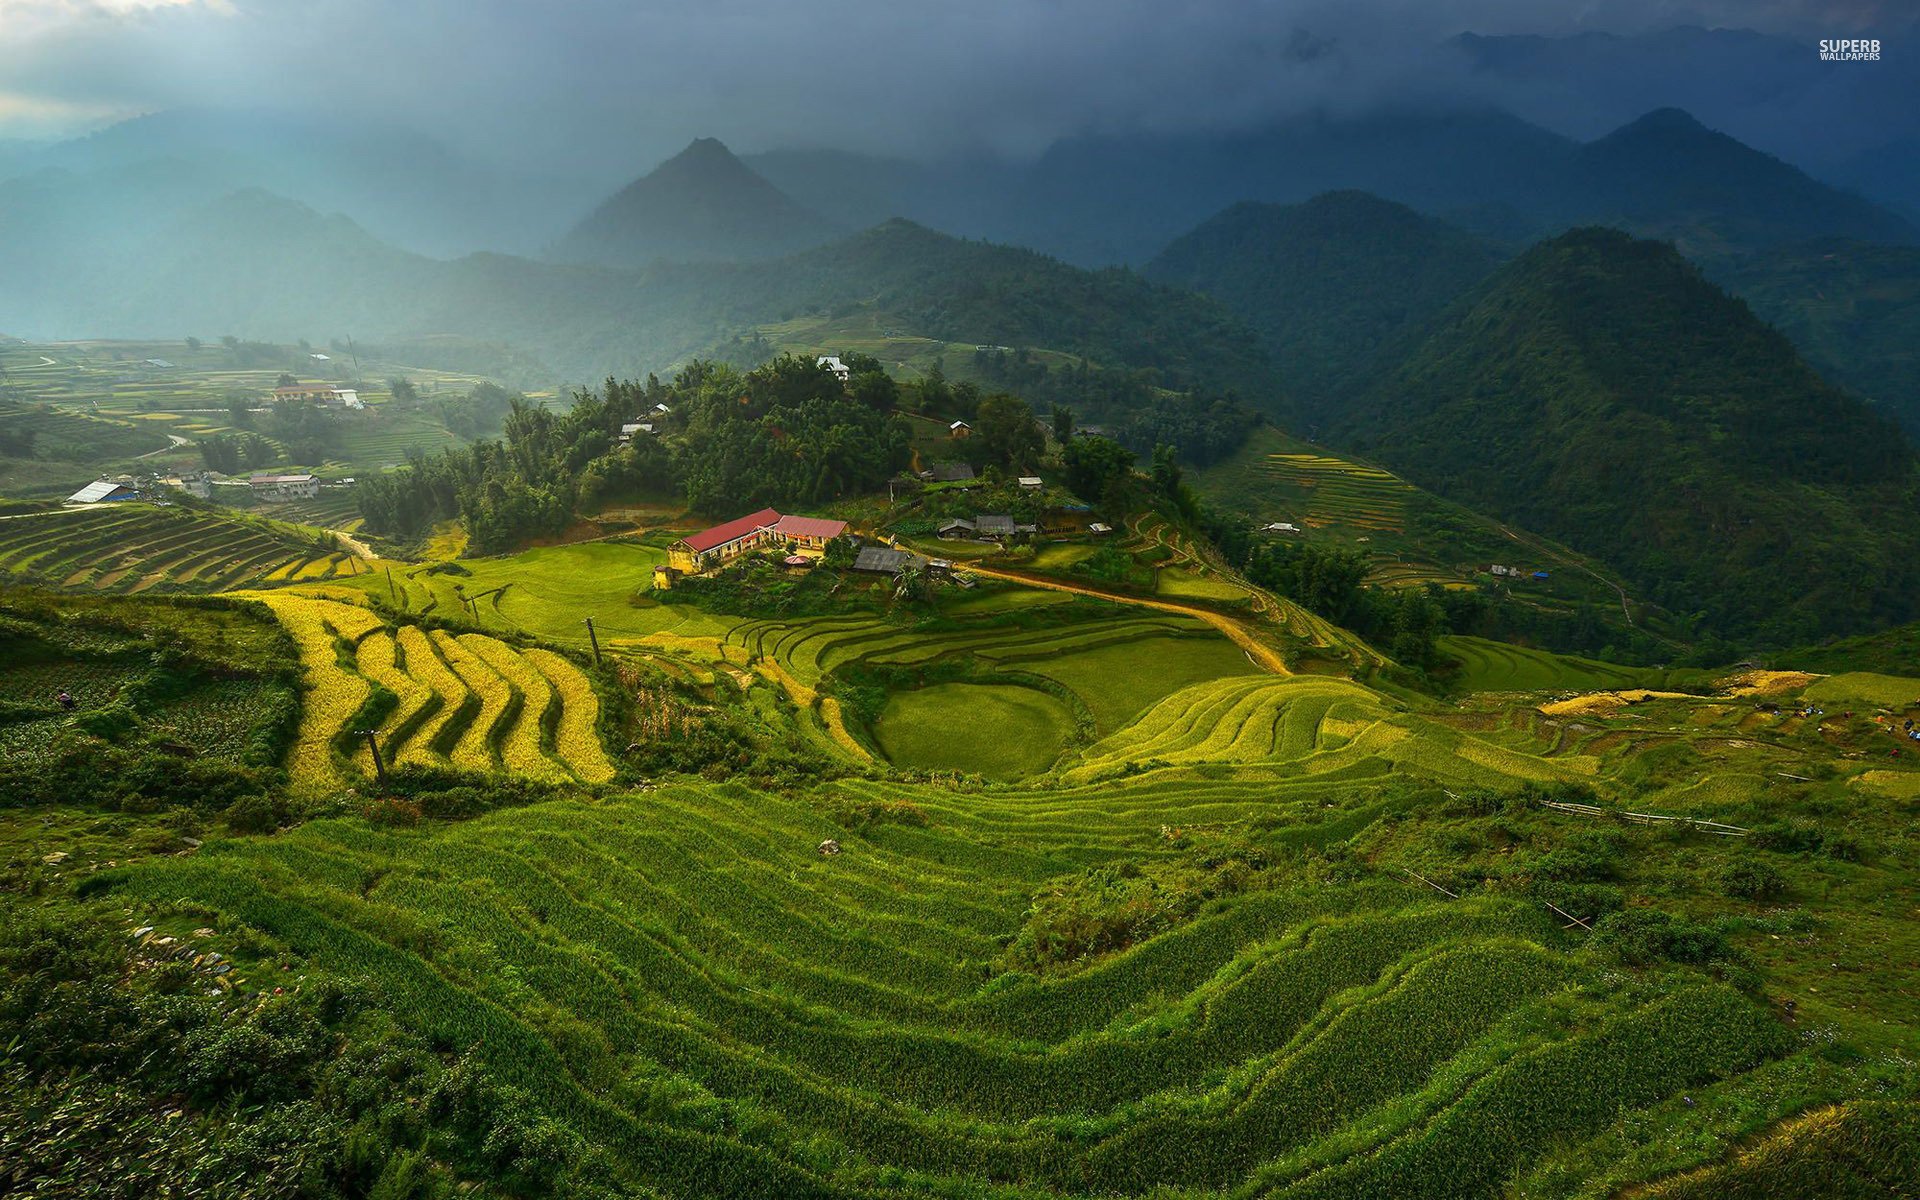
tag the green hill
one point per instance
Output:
(1600, 391)
(1328, 284)
(702, 204)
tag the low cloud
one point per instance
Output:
(560, 84)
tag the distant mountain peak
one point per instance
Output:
(1664, 120)
(703, 204)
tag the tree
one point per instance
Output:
(1093, 464)
(193, 345)
(1062, 424)
(403, 390)
(1005, 434)
(286, 380)
(239, 412)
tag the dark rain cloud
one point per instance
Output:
(560, 83)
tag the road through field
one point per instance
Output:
(1262, 654)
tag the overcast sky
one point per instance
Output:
(552, 82)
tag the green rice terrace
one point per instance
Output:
(1054, 891)
(139, 548)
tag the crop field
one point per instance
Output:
(1145, 920)
(860, 1025)
(1414, 538)
(466, 702)
(993, 730)
(135, 547)
(1487, 666)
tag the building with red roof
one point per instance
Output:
(712, 547)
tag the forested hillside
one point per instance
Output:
(1329, 285)
(1599, 390)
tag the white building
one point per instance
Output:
(832, 362)
(301, 486)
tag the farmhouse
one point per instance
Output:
(959, 429)
(999, 525)
(832, 362)
(883, 560)
(285, 487)
(1031, 482)
(958, 527)
(711, 547)
(632, 427)
(324, 394)
(948, 473)
(104, 491)
(1280, 527)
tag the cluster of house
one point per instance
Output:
(200, 484)
(323, 394)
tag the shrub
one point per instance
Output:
(251, 814)
(1645, 936)
(1751, 880)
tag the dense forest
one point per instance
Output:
(788, 433)
(1331, 286)
(1601, 391)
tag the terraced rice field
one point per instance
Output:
(136, 547)
(846, 1026)
(1487, 666)
(467, 702)
(77, 437)
(1337, 491)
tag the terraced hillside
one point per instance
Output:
(917, 1015)
(136, 547)
(1413, 537)
(465, 702)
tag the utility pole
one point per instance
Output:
(392, 594)
(595, 639)
(373, 748)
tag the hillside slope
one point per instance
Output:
(1599, 390)
(701, 205)
(1327, 284)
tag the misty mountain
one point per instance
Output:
(1097, 200)
(1769, 91)
(1667, 175)
(701, 205)
(407, 188)
(1331, 285)
(261, 266)
(1599, 390)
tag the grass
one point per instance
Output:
(994, 730)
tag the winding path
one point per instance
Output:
(1262, 654)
